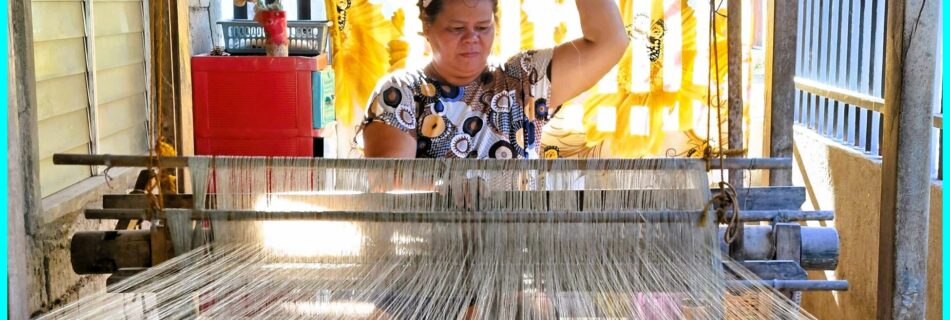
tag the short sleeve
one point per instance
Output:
(392, 103)
(535, 72)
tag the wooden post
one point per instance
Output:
(780, 40)
(734, 41)
(171, 92)
(171, 76)
(23, 191)
(910, 49)
(734, 26)
(185, 143)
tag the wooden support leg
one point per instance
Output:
(788, 246)
(160, 238)
(142, 182)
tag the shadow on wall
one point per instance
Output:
(849, 183)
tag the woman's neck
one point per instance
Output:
(432, 71)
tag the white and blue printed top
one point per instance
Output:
(498, 116)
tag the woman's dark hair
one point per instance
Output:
(428, 13)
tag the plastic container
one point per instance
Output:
(305, 37)
(254, 106)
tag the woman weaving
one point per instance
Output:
(460, 106)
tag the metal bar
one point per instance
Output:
(418, 216)
(840, 94)
(581, 164)
(785, 215)
(750, 199)
(448, 216)
(793, 285)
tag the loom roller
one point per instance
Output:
(778, 253)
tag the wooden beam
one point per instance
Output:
(171, 95)
(734, 41)
(629, 216)
(98, 252)
(910, 48)
(792, 285)
(671, 163)
(788, 241)
(139, 213)
(788, 246)
(185, 143)
(170, 67)
(770, 198)
(142, 182)
(782, 36)
(853, 98)
(139, 201)
(23, 193)
(776, 269)
(779, 200)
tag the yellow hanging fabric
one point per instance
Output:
(360, 53)
(631, 121)
(398, 48)
(527, 30)
(661, 82)
(634, 120)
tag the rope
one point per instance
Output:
(159, 148)
(727, 196)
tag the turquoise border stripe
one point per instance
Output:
(4, 16)
(946, 154)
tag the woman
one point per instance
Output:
(460, 106)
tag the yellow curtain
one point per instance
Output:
(361, 37)
(672, 98)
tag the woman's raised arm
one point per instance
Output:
(578, 65)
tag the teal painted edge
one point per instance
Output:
(4, 177)
(945, 155)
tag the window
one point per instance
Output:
(91, 83)
(840, 75)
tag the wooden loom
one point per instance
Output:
(779, 253)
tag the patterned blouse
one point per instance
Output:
(499, 115)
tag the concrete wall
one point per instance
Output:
(846, 181)
(52, 282)
(205, 34)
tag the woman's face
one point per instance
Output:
(461, 38)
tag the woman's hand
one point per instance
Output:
(579, 64)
